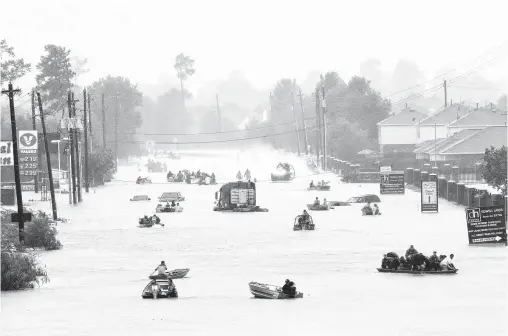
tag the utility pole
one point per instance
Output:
(318, 128)
(270, 117)
(218, 112)
(103, 123)
(445, 95)
(303, 121)
(71, 148)
(34, 127)
(76, 148)
(86, 138)
(19, 198)
(116, 132)
(323, 105)
(48, 159)
(90, 119)
(294, 114)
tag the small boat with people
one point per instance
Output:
(160, 288)
(320, 186)
(284, 173)
(303, 222)
(143, 180)
(265, 291)
(177, 273)
(317, 206)
(147, 222)
(414, 262)
(173, 207)
(371, 210)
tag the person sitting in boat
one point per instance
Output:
(311, 185)
(316, 201)
(179, 175)
(434, 261)
(161, 270)
(178, 208)
(367, 209)
(239, 176)
(325, 203)
(403, 265)
(411, 251)
(170, 174)
(286, 289)
(173, 204)
(155, 219)
(376, 210)
(323, 183)
(212, 178)
(446, 264)
(138, 180)
(247, 174)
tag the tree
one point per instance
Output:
(502, 103)
(54, 79)
(171, 113)
(282, 116)
(494, 168)
(184, 66)
(346, 139)
(101, 165)
(123, 96)
(11, 67)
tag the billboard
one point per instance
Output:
(486, 225)
(392, 182)
(28, 158)
(6, 156)
(429, 196)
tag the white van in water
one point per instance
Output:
(171, 196)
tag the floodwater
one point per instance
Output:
(97, 279)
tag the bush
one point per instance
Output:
(21, 271)
(39, 233)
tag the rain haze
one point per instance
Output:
(238, 168)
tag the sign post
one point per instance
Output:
(429, 196)
(486, 225)
(28, 157)
(392, 182)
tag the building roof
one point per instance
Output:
(476, 144)
(446, 116)
(482, 117)
(428, 145)
(425, 143)
(405, 117)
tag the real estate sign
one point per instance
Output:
(486, 225)
(429, 196)
(392, 182)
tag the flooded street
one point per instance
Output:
(97, 278)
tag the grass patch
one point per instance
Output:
(21, 271)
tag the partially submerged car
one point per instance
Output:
(171, 196)
(140, 198)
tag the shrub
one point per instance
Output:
(21, 271)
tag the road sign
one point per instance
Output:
(429, 196)
(486, 225)
(27, 217)
(385, 169)
(6, 156)
(392, 182)
(28, 158)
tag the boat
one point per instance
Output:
(143, 180)
(285, 173)
(177, 273)
(264, 291)
(319, 207)
(159, 288)
(389, 270)
(320, 188)
(304, 226)
(163, 208)
(139, 198)
(338, 203)
(175, 179)
(148, 223)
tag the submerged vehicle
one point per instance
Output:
(160, 288)
(143, 180)
(265, 291)
(173, 274)
(285, 172)
(171, 196)
(139, 198)
(237, 197)
(367, 198)
(302, 224)
(407, 271)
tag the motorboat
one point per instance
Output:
(160, 288)
(177, 273)
(143, 180)
(319, 207)
(300, 224)
(265, 291)
(147, 223)
(320, 187)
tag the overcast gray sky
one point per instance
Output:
(266, 40)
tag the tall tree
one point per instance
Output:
(495, 168)
(184, 66)
(11, 68)
(282, 115)
(123, 97)
(170, 108)
(55, 77)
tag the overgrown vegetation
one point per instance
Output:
(20, 267)
(495, 168)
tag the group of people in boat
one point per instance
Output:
(317, 202)
(303, 219)
(162, 270)
(289, 288)
(416, 261)
(173, 206)
(319, 184)
(187, 176)
(141, 180)
(246, 176)
(150, 220)
(370, 209)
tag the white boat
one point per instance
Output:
(265, 291)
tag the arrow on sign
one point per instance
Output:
(498, 238)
